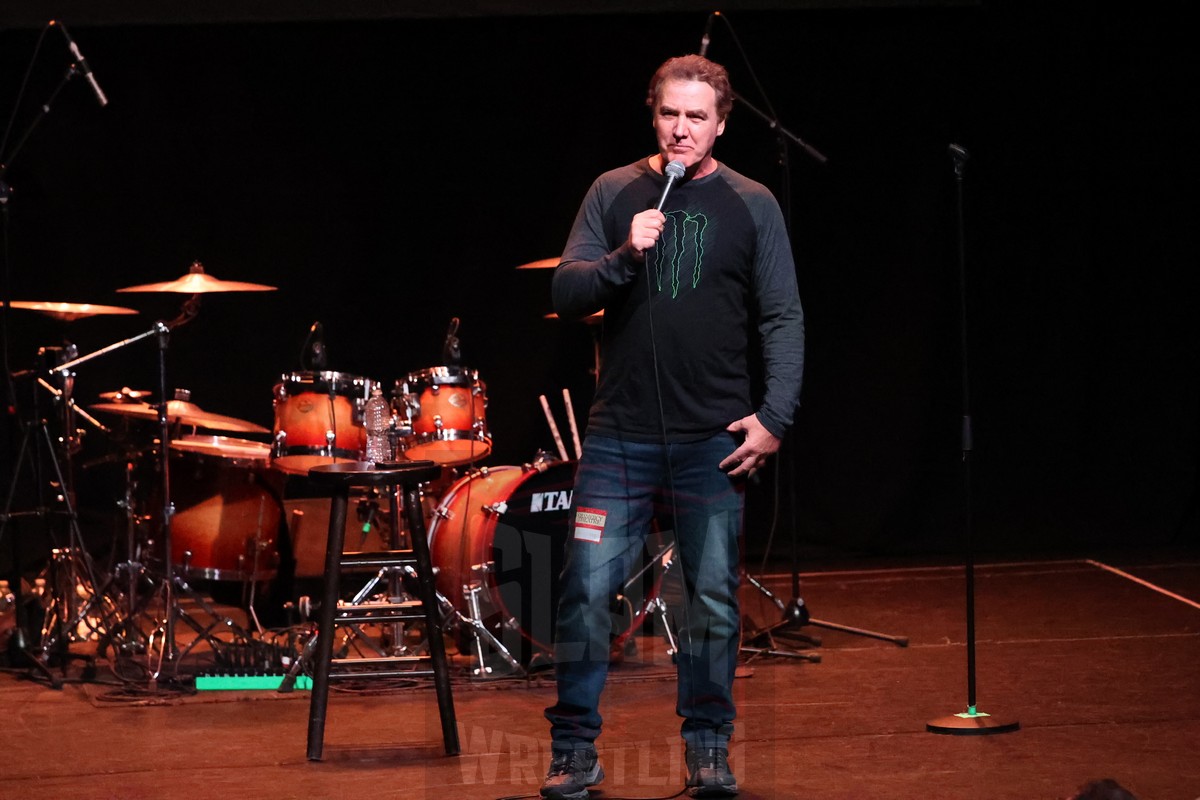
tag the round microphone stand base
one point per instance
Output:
(970, 723)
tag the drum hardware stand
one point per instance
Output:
(657, 606)
(71, 570)
(132, 639)
(250, 591)
(171, 584)
(479, 631)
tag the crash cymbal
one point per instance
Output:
(124, 395)
(544, 263)
(197, 281)
(69, 311)
(591, 319)
(182, 412)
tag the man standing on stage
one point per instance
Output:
(689, 293)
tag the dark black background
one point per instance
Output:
(389, 174)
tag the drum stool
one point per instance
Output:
(405, 477)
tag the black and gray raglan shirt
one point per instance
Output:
(723, 263)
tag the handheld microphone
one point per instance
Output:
(707, 37)
(673, 171)
(81, 62)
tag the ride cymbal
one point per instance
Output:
(197, 281)
(69, 312)
(184, 413)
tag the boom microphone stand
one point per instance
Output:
(18, 645)
(795, 614)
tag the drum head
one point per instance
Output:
(443, 376)
(333, 383)
(240, 450)
(528, 550)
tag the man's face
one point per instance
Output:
(686, 124)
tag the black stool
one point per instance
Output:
(408, 477)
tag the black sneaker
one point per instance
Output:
(708, 773)
(571, 772)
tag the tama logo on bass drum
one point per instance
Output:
(550, 501)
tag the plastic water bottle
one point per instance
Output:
(377, 418)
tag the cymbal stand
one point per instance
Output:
(170, 584)
(71, 574)
(127, 625)
(63, 614)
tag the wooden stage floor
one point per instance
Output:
(1097, 659)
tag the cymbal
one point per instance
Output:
(124, 395)
(69, 311)
(197, 281)
(183, 412)
(543, 263)
(591, 319)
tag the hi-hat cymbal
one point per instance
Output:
(591, 319)
(69, 311)
(182, 412)
(197, 281)
(543, 263)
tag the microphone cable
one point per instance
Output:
(662, 420)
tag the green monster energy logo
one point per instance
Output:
(682, 242)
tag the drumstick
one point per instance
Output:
(562, 451)
(571, 419)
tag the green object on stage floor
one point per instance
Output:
(246, 682)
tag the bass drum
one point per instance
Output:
(226, 508)
(502, 531)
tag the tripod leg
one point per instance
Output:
(901, 641)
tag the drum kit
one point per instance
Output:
(208, 506)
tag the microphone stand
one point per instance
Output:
(18, 643)
(795, 614)
(972, 721)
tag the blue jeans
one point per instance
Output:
(617, 486)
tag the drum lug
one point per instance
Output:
(500, 507)
(443, 512)
(437, 423)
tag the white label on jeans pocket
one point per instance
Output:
(589, 524)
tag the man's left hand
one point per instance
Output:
(757, 444)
